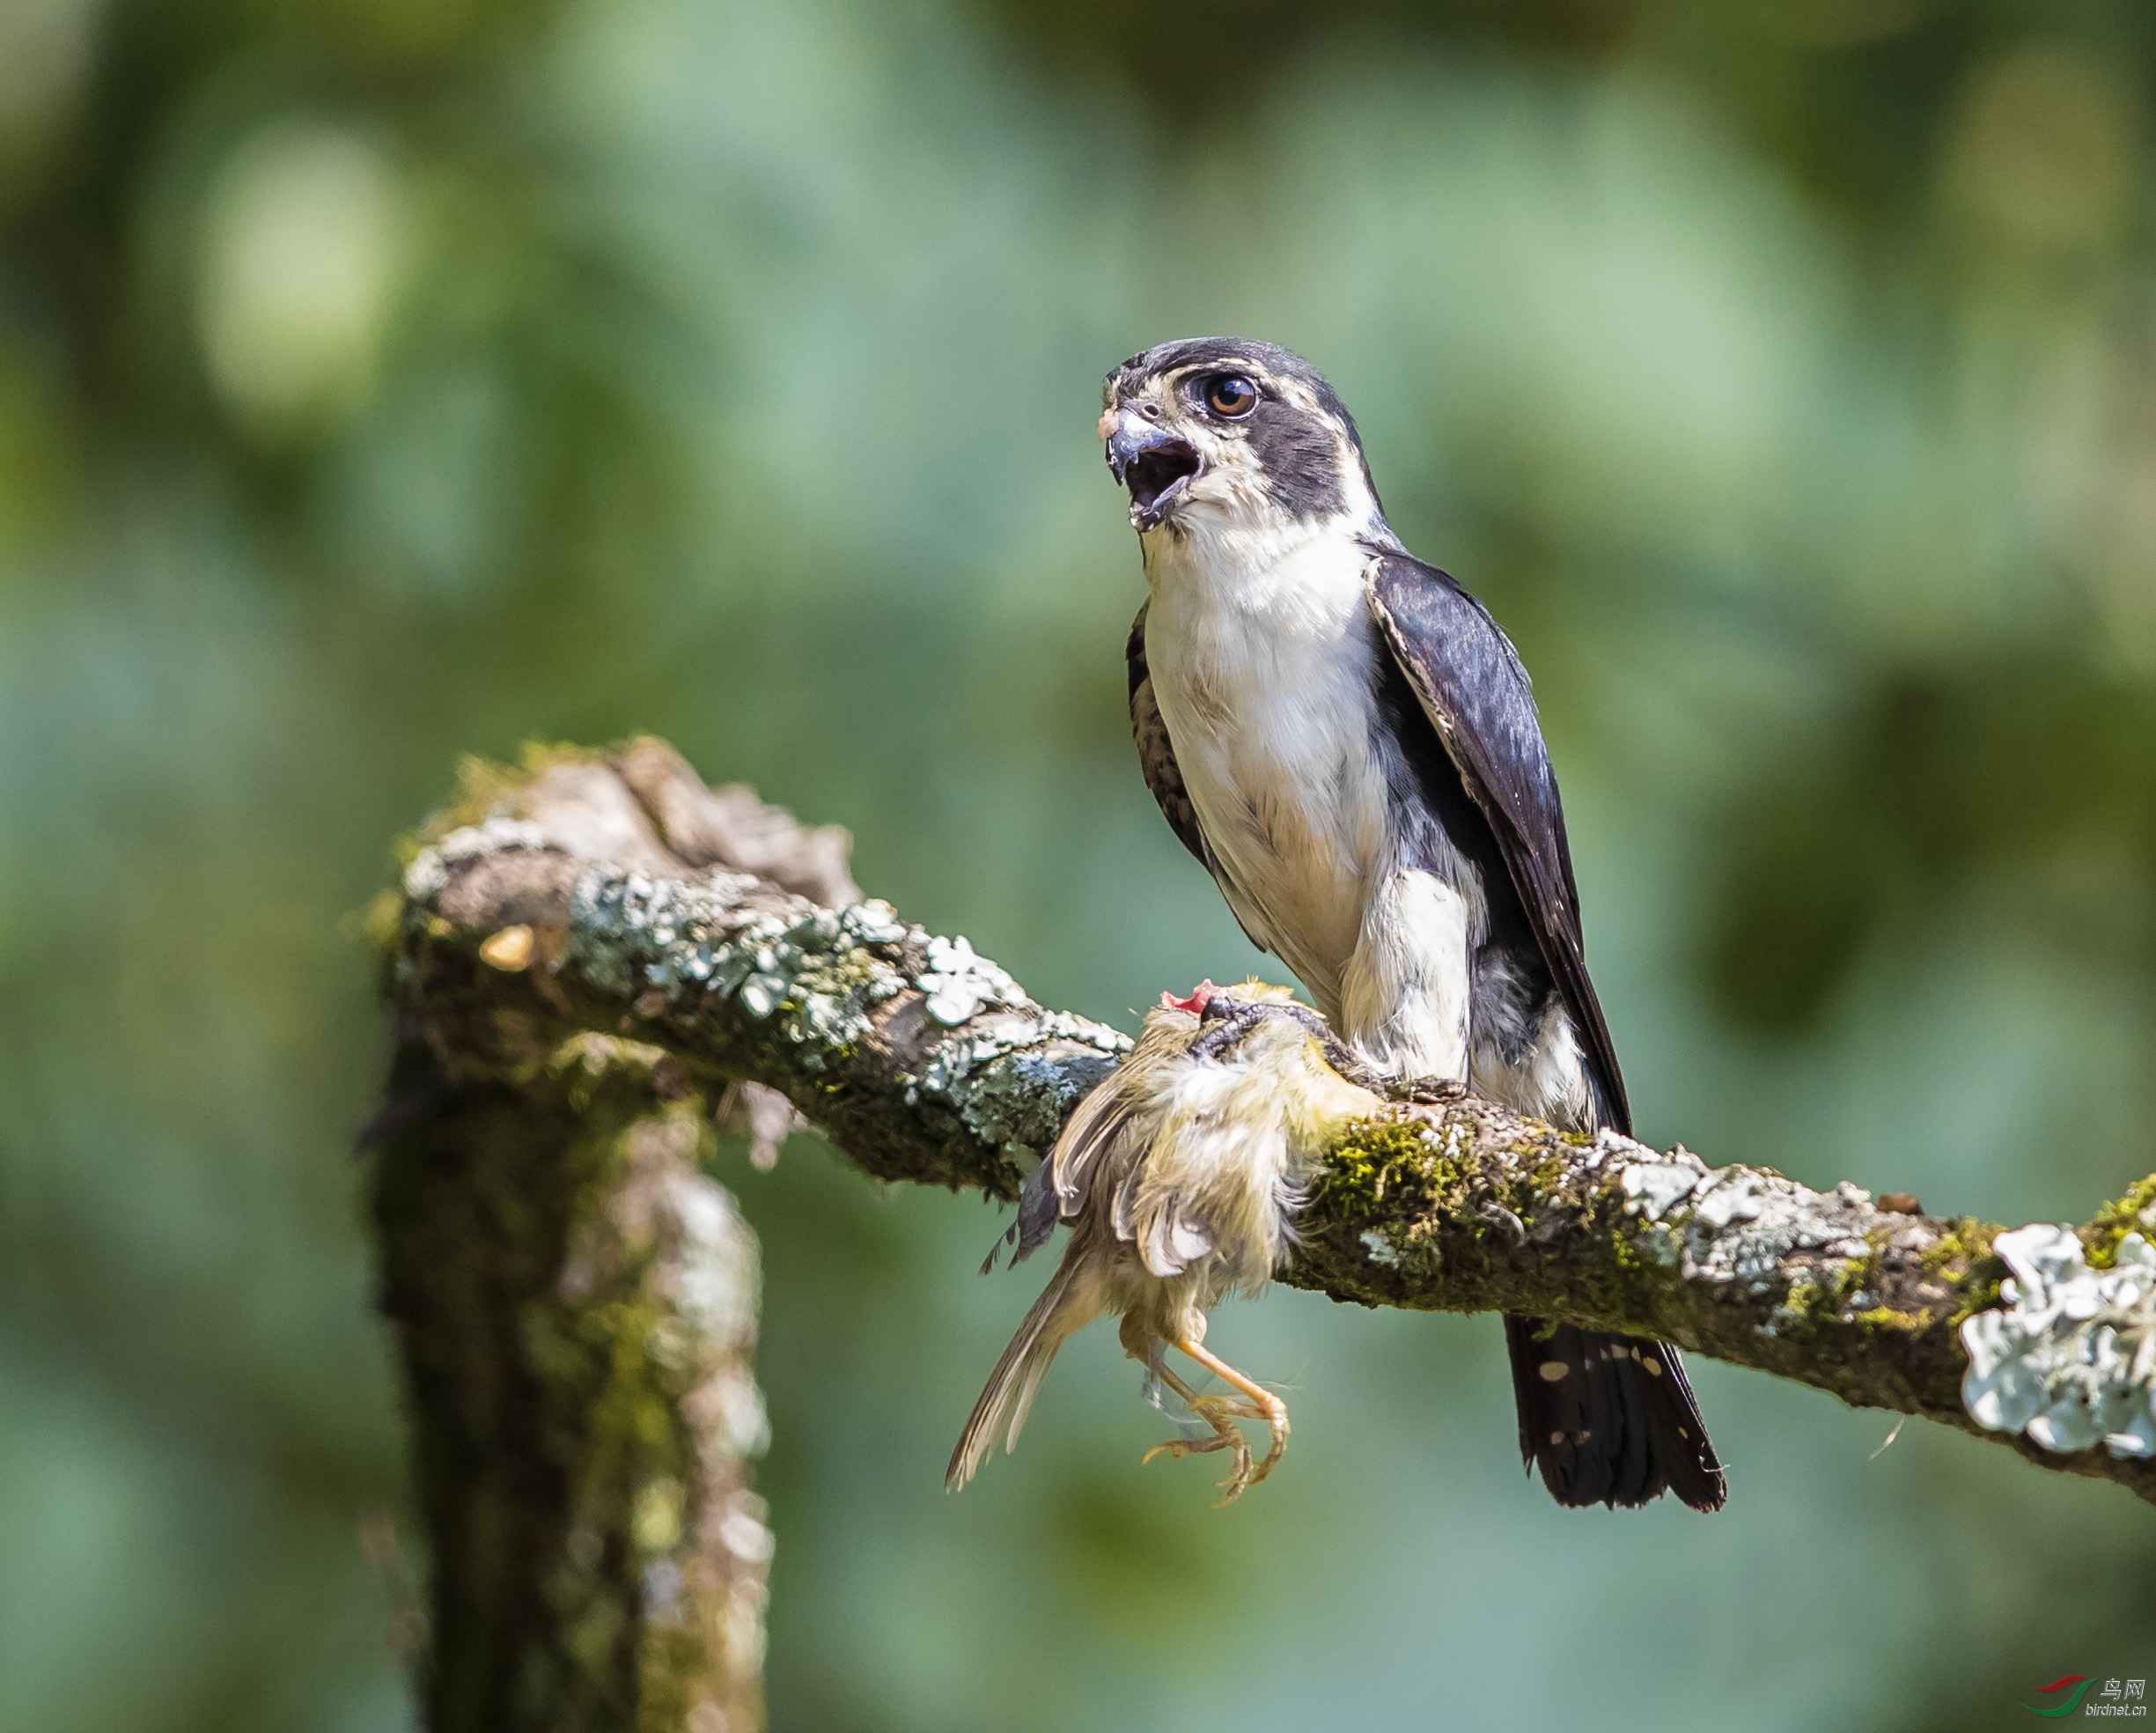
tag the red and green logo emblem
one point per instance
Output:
(2076, 1687)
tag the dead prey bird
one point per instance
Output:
(1179, 1175)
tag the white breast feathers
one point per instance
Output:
(1262, 661)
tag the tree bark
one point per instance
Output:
(587, 952)
(576, 1302)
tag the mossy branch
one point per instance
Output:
(613, 895)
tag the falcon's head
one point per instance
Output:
(1233, 431)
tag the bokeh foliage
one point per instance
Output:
(381, 380)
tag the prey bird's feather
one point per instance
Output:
(1066, 1305)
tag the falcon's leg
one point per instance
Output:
(1213, 1411)
(1262, 1405)
(1404, 993)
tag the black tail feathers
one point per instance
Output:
(1609, 1419)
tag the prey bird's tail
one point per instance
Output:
(1609, 1419)
(1066, 1306)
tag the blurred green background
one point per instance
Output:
(382, 380)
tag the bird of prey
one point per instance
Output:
(1180, 1174)
(1346, 739)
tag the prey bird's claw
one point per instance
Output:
(1252, 1401)
(1223, 1437)
(1180, 1448)
(1278, 1425)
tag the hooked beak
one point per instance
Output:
(1153, 463)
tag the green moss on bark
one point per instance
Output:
(575, 1453)
(2133, 1214)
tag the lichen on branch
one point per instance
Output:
(2069, 1358)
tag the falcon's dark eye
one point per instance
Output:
(1230, 395)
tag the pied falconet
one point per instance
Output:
(1347, 741)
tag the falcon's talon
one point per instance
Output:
(1427, 1091)
(1226, 1022)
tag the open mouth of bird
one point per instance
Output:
(1155, 478)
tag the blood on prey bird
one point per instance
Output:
(1347, 741)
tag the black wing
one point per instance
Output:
(1617, 1424)
(1470, 684)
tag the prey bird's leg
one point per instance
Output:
(1212, 1410)
(1263, 1406)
